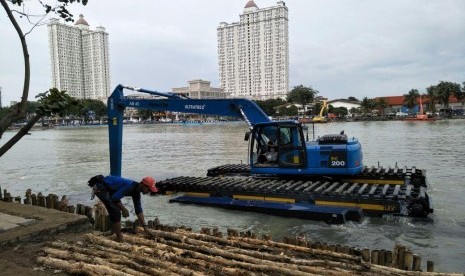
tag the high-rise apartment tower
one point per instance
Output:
(79, 59)
(253, 54)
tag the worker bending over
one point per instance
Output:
(111, 189)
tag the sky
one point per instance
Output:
(342, 48)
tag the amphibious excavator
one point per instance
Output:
(324, 179)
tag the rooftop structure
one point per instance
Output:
(201, 89)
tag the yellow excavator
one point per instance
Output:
(320, 118)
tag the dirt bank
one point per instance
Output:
(20, 246)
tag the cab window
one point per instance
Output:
(274, 146)
(291, 151)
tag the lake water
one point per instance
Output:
(61, 161)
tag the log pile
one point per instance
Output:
(182, 252)
(172, 250)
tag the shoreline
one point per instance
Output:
(219, 122)
(51, 248)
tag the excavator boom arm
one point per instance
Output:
(322, 110)
(117, 102)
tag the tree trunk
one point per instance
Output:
(18, 112)
(23, 131)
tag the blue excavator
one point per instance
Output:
(324, 179)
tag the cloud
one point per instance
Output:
(341, 48)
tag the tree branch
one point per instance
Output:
(19, 111)
(23, 131)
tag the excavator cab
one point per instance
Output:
(277, 145)
(279, 148)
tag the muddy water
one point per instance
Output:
(61, 160)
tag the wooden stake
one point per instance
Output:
(416, 263)
(401, 257)
(89, 212)
(374, 256)
(56, 202)
(27, 197)
(41, 200)
(408, 258)
(48, 201)
(34, 199)
(78, 208)
(388, 258)
(63, 204)
(381, 257)
(8, 197)
(429, 266)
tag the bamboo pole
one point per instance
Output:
(268, 246)
(80, 267)
(114, 253)
(185, 258)
(63, 254)
(216, 256)
(247, 261)
(248, 256)
(341, 266)
(309, 251)
(206, 256)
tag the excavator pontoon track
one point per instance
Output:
(369, 175)
(371, 199)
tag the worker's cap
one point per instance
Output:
(150, 182)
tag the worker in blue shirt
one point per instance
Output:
(111, 189)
